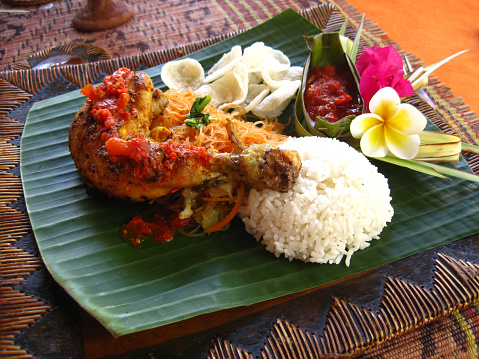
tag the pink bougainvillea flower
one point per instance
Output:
(392, 127)
(375, 56)
(381, 67)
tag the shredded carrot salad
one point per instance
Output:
(213, 209)
(229, 217)
(214, 135)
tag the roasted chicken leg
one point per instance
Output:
(110, 143)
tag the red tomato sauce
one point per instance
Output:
(160, 228)
(331, 95)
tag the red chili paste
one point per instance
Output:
(161, 228)
(331, 95)
(173, 150)
(109, 100)
(136, 148)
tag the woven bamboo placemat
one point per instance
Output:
(155, 26)
(406, 316)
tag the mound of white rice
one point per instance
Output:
(338, 204)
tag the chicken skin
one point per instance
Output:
(112, 146)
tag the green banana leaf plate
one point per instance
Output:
(129, 289)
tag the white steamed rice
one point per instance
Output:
(339, 203)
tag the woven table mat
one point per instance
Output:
(454, 336)
(155, 26)
(450, 307)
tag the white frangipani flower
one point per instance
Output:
(390, 128)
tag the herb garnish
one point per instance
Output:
(196, 118)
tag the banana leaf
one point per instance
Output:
(129, 289)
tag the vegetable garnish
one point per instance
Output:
(196, 118)
(229, 216)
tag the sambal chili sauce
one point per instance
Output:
(331, 95)
(160, 228)
(109, 100)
